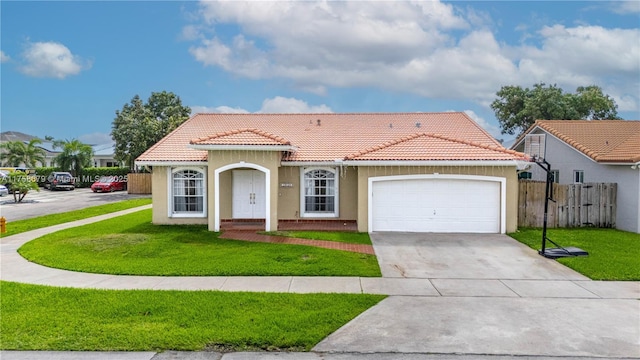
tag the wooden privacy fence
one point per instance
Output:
(139, 183)
(576, 205)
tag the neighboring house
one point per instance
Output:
(418, 172)
(103, 154)
(47, 146)
(584, 151)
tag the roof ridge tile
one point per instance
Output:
(262, 133)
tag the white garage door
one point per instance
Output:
(436, 205)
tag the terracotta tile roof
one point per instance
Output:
(327, 137)
(422, 146)
(241, 137)
(601, 140)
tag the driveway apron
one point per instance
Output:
(463, 256)
(495, 296)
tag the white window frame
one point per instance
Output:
(555, 176)
(170, 191)
(336, 208)
(578, 176)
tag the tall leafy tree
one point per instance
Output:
(74, 157)
(140, 125)
(517, 109)
(16, 153)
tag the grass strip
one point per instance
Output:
(338, 236)
(20, 226)
(38, 317)
(613, 254)
(132, 245)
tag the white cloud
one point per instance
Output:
(427, 48)
(190, 33)
(491, 129)
(281, 104)
(625, 7)
(4, 57)
(51, 59)
(277, 104)
(96, 138)
(220, 109)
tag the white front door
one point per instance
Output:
(248, 194)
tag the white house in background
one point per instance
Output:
(103, 154)
(587, 151)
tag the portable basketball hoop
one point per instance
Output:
(534, 146)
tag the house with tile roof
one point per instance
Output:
(592, 151)
(415, 172)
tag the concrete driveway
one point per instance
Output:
(463, 256)
(491, 296)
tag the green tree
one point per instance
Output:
(19, 184)
(517, 109)
(16, 153)
(140, 125)
(75, 155)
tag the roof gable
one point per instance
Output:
(600, 140)
(241, 137)
(423, 146)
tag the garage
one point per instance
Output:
(437, 203)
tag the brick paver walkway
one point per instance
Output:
(334, 245)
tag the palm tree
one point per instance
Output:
(75, 155)
(18, 153)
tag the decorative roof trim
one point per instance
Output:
(430, 163)
(170, 163)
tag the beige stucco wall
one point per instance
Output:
(226, 194)
(289, 197)
(285, 201)
(160, 199)
(507, 172)
(219, 159)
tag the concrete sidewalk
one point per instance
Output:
(182, 355)
(429, 317)
(14, 267)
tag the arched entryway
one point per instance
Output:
(250, 190)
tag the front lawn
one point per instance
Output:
(339, 236)
(613, 254)
(132, 245)
(19, 226)
(50, 318)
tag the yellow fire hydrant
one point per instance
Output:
(3, 225)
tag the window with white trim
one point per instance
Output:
(578, 176)
(555, 176)
(320, 193)
(188, 192)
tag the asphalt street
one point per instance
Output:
(50, 202)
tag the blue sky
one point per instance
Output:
(66, 67)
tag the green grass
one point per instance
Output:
(132, 245)
(50, 318)
(19, 226)
(339, 236)
(613, 254)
